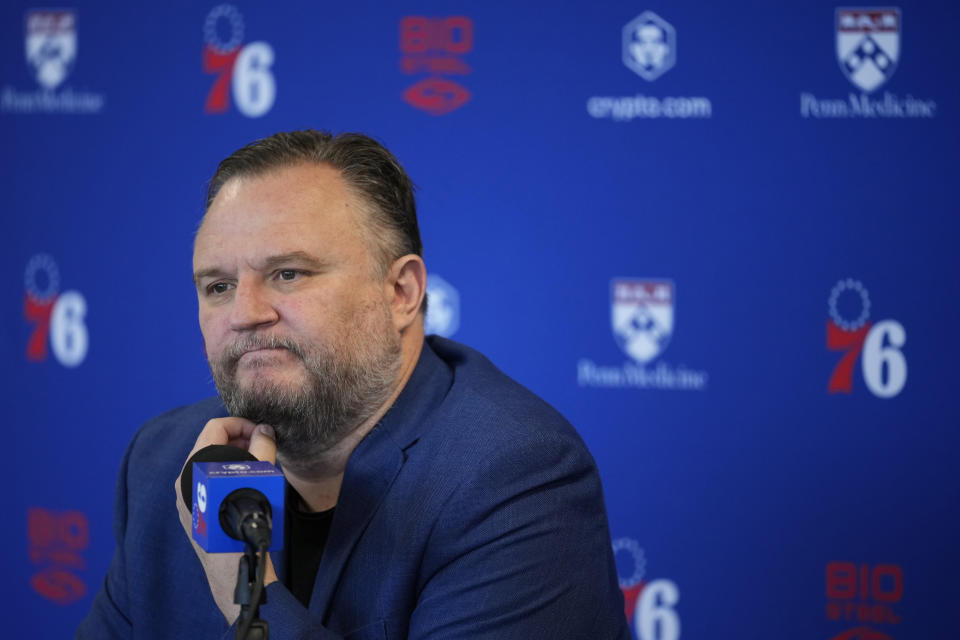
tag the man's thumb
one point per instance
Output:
(263, 446)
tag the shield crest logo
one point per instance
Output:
(868, 45)
(641, 312)
(51, 45)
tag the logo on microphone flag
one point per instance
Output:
(215, 481)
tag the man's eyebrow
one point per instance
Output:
(299, 258)
(296, 258)
(213, 272)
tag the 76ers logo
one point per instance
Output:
(649, 605)
(59, 315)
(849, 329)
(244, 68)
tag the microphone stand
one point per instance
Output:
(250, 594)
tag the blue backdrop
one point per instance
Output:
(718, 237)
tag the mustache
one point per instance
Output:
(258, 341)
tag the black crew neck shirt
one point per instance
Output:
(306, 537)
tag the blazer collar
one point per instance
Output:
(374, 465)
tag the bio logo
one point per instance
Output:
(243, 68)
(57, 540)
(863, 595)
(436, 46)
(59, 315)
(649, 605)
(849, 329)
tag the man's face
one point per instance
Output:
(294, 313)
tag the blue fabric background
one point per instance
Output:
(741, 493)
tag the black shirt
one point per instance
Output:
(306, 538)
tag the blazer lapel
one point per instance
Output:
(371, 470)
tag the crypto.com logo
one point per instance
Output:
(59, 315)
(243, 68)
(649, 605)
(649, 45)
(849, 329)
(443, 307)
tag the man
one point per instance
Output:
(430, 495)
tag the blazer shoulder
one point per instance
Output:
(173, 433)
(494, 411)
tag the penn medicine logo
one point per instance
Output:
(649, 49)
(642, 313)
(51, 46)
(867, 43)
(642, 317)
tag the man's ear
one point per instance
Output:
(407, 286)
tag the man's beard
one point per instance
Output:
(346, 383)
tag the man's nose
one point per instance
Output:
(251, 307)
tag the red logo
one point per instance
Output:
(863, 595)
(436, 46)
(56, 540)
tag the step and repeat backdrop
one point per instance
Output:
(719, 237)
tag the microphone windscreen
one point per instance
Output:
(211, 453)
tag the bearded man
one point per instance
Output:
(429, 495)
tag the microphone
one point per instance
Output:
(244, 493)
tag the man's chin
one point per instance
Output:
(268, 390)
(284, 377)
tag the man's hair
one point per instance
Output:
(367, 167)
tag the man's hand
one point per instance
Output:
(221, 568)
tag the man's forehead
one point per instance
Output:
(304, 191)
(296, 207)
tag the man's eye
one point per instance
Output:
(218, 288)
(288, 274)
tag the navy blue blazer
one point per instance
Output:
(472, 510)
